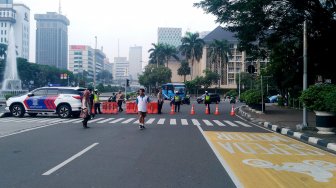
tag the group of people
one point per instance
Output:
(89, 98)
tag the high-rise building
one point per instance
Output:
(135, 62)
(121, 67)
(52, 39)
(18, 16)
(171, 36)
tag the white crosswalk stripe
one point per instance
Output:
(230, 123)
(106, 120)
(161, 121)
(207, 122)
(127, 121)
(184, 122)
(117, 120)
(150, 121)
(196, 122)
(219, 123)
(133, 120)
(243, 124)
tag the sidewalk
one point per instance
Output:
(285, 120)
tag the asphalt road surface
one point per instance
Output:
(179, 150)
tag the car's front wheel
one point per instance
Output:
(17, 110)
(64, 111)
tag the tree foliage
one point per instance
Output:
(155, 75)
(184, 70)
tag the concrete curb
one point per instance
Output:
(291, 133)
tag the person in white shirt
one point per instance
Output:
(142, 101)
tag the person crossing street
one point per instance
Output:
(142, 100)
(177, 102)
(96, 101)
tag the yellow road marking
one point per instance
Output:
(272, 160)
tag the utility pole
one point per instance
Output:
(239, 85)
(304, 123)
(94, 64)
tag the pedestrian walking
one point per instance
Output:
(85, 108)
(142, 101)
(96, 101)
(177, 101)
(91, 104)
(160, 101)
(120, 100)
(207, 100)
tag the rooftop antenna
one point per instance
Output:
(59, 8)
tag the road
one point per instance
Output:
(179, 150)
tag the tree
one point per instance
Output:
(155, 75)
(210, 78)
(169, 51)
(192, 48)
(218, 53)
(184, 70)
(262, 26)
(156, 55)
(104, 76)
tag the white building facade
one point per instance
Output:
(135, 62)
(18, 16)
(121, 68)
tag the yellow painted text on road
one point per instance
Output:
(272, 160)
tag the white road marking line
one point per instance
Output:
(207, 122)
(195, 122)
(94, 120)
(117, 120)
(136, 121)
(225, 165)
(69, 121)
(184, 121)
(172, 121)
(105, 120)
(243, 124)
(230, 123)
(161, 121)
(45, 120)
(128, 121)
(69, 160)
(219, 123)
(79, 121)
(150, 121)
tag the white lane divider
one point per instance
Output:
(184, 121)
(69, 160)
(128, 121)
(195, 122)
(94, 120)
(161, 121)
(106, 120)
(230, 123)
(243, 124)
(219, 123)
(69, 121)
(208, 123)
(117, 120)
(150, 121)
(172, 121)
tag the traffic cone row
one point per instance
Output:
(192, 112)
(232, 113)
(216, 112)
(207, 109)
(172, 111)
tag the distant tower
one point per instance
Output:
(52, 39)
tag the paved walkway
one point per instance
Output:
(285, 119)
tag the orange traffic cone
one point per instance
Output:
(216, 112)
(172, 111)
(232, 113)
(192, 110)
(207, 109)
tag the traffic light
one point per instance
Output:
(127, 82)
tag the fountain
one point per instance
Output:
(11, 84)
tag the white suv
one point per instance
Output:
(65, 101)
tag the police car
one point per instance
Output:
(65, 101)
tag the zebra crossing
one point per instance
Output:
(124, 121)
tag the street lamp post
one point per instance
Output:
(94, 64)
(304, 123)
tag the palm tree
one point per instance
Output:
(169, 51)
(157, 54)
(184, 70)
(218, 53)
(192, 47)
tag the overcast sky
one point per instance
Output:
(132, 22)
